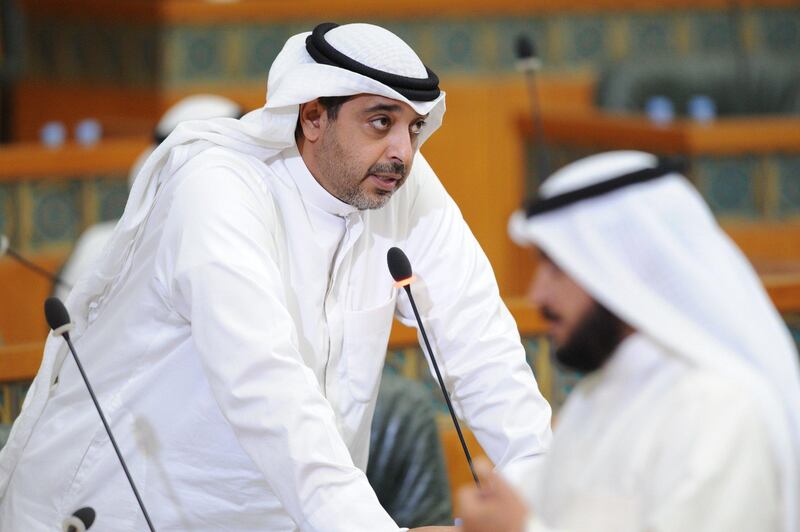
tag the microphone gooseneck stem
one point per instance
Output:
(742, 66)
(108, 431)
(36, 268)
(542, 161)
(441, 384)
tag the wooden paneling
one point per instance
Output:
(20, 362)
(201, 11)
(480, 159)
(784, 289)
(122, 111)
(593, 128)
(34, 161)
(772, 246)
(23, 294)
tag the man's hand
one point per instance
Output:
(494, 508)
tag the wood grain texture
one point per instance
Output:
(593, 128)
(23, 292)
(30, 161)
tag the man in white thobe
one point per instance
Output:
(236, 325)
(689, 416)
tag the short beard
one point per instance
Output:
(592, 342)
(356, 195)
(346, 179)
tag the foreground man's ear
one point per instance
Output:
(313, 119)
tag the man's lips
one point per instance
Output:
(385, 181)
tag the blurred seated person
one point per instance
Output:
(406, 462)
(688, 418)
(93, 240)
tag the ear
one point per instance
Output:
(313, 120)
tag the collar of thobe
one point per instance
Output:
(311, 190)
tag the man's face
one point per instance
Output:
(561, 301)
(584, 332)
(365, 154)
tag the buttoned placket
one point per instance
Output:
(335, 299)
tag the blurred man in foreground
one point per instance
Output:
(689, 416)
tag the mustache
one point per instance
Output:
(396, 168)
(549, 314)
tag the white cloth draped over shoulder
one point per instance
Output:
(653, 254)
(93, 241)
(247, 344)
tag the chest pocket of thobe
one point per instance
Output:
(366, 336)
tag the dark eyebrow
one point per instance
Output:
(389, 108)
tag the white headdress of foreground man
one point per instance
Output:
(689, 416)
(235, 326)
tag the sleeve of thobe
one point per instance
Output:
(226, 283)
(473, 334)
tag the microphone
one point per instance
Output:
(58, 319)
(6, 249)
(400, 268)
(743, 66)
(80, 521)
(527, 58)
(528, 61)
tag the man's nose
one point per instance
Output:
(401, 148)
(537, 290)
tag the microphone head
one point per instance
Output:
(4, 243)
(86, 515)
(527, 57)
(56, 313)
(80, 521)
(524, 47)
(399, 266)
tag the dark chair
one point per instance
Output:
(406, 462)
